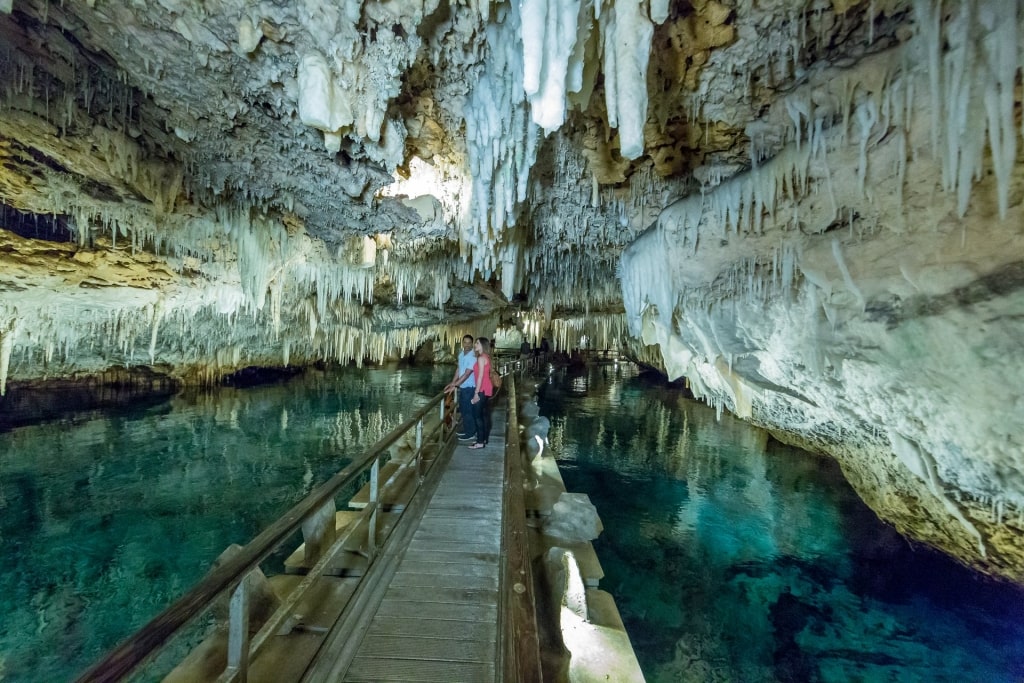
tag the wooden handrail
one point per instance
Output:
(148, 640)
(519, 650)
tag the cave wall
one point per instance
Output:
(860, 293)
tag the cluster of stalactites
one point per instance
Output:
(501, 143)
(84, 92)
(972, 88)
(579, 230)
(562, 44)
(541, 59)
(566, 332)
(188, 332)
(299, 295)
(971, 102)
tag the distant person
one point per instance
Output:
(544, 346)
(466, 384)
(484, 392)
(524, 348)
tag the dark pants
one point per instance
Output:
(467, 410)
(482, 413)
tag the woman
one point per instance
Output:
(484, 390)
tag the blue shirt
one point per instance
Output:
(467, 359)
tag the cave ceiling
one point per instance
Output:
(374, 165)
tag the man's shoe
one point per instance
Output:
(461, 435)
(467, 438)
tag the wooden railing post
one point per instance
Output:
(238, 632)
(371, 537)
(441, 433)
(319, 531)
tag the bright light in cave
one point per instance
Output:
(447, 183)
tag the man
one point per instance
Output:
(464, 382)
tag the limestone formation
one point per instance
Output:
(811, 209)
(573, 519)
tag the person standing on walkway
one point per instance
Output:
(466, 384)
(483, 392)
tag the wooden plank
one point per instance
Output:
(443, 581)
(485, 614)
(468, 558)
(427, 649)
(394, 670)
(425, 561)
(482, 499)
(490, 526)
(519, 656)
(445, 519)
(480, 496)
(475, 493)
(453, 552)
(469, 511)
(456, 546)
(429, 628)
(482, 504)
(434, 563)
(469, 521)
(487, 537)
(489, 522)
(483, 470)
(470, 596)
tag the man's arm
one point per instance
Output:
(459, 379)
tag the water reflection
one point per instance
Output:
(735, 558)
(105, 517)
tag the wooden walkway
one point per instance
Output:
(438, 617)
(431, 580)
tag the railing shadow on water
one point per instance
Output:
(432, 427)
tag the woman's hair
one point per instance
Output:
(485, 345)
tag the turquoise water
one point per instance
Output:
(735, 558)
(107, 516)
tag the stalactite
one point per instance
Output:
(7, 334)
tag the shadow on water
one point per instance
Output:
(737, 558)
(71, 402)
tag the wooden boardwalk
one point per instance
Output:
(437, 619)
(431, 580)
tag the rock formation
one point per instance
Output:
(810, 209)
